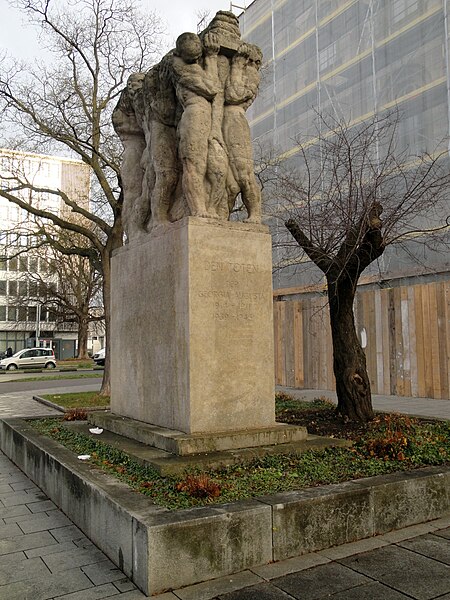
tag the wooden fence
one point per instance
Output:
(408, 340)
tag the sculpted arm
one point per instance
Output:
(194, 78)
(243, 82)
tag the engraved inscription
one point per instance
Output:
(231, 302)
(233, 267)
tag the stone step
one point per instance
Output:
(167, 463)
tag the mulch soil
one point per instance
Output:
(327, 422)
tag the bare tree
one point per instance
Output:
(352, 194)
(65, 107)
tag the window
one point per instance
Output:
(2, 312)
(32, 313)
(22, 288)
(22, 313)
(3, 264)
(327, 57)
(13, 288)
(33, 289)
(13, 264)
(23, 264)
(12, 313)
(401, 9)
(2, 287)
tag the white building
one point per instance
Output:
(27, 323)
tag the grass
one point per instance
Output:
(391, 443)
(76, 363)
(57, 377)
(78, 399)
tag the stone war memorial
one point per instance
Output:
(192, 332)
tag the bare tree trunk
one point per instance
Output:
(114, 241)
(349, 359)
(83, 329)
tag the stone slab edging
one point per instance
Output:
(161, 549)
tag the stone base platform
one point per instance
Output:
(183, 444)
(162, 550)
(166, 463)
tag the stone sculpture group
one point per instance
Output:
(187, 145)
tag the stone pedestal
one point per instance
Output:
(192, 333)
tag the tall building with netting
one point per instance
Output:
(355, 59)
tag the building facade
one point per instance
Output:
(24, 321)
(355, 59)
(352, 59)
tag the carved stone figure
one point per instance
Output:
(195, 87)
(240, 92)
(187, 145)
(129, 127)
(160, 102)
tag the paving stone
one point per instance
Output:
(11, 512)
(22, 498)
(68, 533)
(26, 542)
(42, 506)
(215, 587)
(406, 533)
(95, 593)
(103, 572)
(445, 533)
(430, 545)
(124, 585)
(64, 547)
(353, 548)
(265, 591)
(290, 565)
(370, 591)
(10, 530)
(70, 559)
(43, 522)
(21, 570)
(166, 596)
(46, 586)
(418, 576)
(13, 478)
(320, 581)
(23, 485)
(5, 488)
(134, 595)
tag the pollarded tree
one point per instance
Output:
(352, 194)
(64, 106)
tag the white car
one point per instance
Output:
(29, 359)
(99, 357)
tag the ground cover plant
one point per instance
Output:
(389, 443)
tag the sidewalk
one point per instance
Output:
(419, 407)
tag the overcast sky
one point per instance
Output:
(178, 15)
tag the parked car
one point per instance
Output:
(30, 358)
(99, 357)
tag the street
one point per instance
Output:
(16, 396)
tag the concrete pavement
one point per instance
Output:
(420, 407)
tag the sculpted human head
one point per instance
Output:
(255, 55)
(134, 83)
(189, 47)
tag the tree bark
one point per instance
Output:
(114, 241)
(349, 359)
(83, 330)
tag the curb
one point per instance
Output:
(161, 549)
